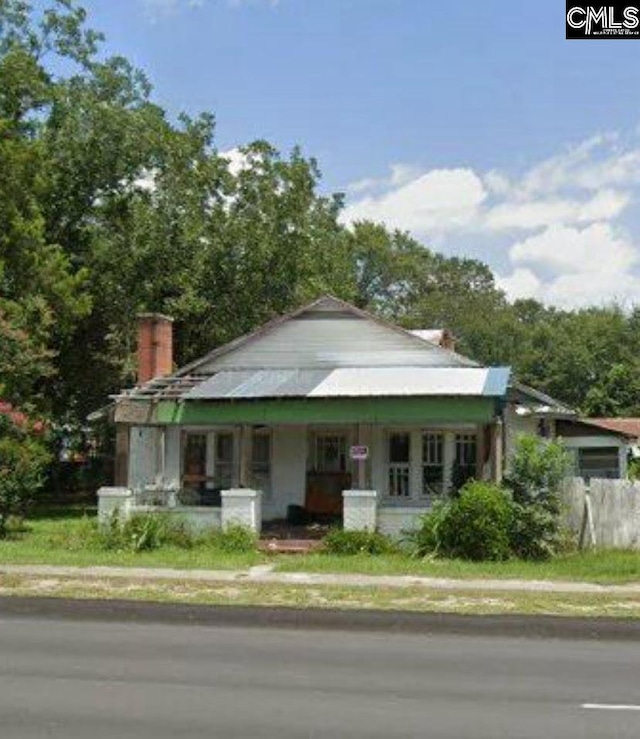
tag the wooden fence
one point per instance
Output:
(603, 513)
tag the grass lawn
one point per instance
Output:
(55, 538)
(599, 567)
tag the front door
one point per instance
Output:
(328, 475)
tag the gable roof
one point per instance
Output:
(345, 345)
(328, 348)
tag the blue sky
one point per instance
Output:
(475, 125)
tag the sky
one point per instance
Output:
(473, 125)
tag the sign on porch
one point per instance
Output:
(359, 452)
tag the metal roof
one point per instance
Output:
(353, 382)
(432, 335)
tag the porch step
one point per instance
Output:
(289, 546)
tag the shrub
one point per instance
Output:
(145, 532)
(339, 541)
(535, 533)
(22, 468)
(234, 539)
(427, 538)
(477, 524)
(536, 471)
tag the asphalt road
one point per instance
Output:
(93, 680)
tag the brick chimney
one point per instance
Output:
(155, 346)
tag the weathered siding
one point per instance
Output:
(173, 453)
(143, 457)
(396, 522)
(288, 473)
(516, 425)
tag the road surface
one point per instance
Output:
(92, 680)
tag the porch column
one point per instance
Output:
(497, 432)
(360, 509)
(448, 458)
(363, 466)
(246, 443)
(480, 452)
(121, 472)
(161, 443)
(242, 507)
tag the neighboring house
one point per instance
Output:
(601, 447)
(324, 405)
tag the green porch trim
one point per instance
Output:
(327, 410)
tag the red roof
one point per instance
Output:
(627, 426)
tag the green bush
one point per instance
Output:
(534, 534)
(144, 532)
(427, 538)
(535, 475)
(234, 539)
(23, 460)
(536, 471)
(477, 524)
(339, 541)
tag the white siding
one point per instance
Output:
(396, 522)
(515, 425)
(289, 471)
(321, 338)
(143, 456)
(173, 455)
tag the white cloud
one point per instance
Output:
(399, 175)
(441, 199)
(599, 162)
(604, 205)
(586, 266)
(563, 215)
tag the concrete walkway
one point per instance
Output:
(265, 574)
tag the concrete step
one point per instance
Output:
(289, 546)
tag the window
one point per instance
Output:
(261, 461)
(399, 465)
(464, 467)
(331, 453)
(223, 460)
(598, 462)
(432, 464)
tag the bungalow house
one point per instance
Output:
(327, 412)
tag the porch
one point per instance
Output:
(297, 474)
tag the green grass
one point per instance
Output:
(599, 567)
(60, 539)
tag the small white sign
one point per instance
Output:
(359, 452)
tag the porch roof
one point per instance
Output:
(352, 382)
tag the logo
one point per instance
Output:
(613, 20)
